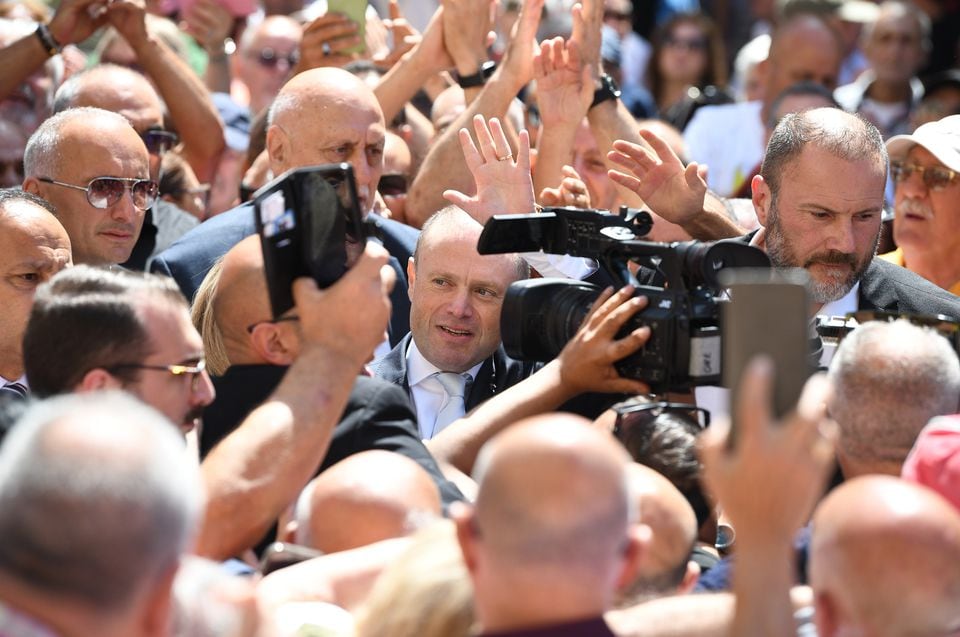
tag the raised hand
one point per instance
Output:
(208, 23)
(326, 41)
(572, 191)
(657, 176)
(518, 58)
(128, 17)
(587, 360)
(466, 31)
(504, 185)
(586, 32)
(405, 38)
(564, 85)
(76, 20)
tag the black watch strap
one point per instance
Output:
(608, 90)
(480, 77)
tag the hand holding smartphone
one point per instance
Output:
(310, 224)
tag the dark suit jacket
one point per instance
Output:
(377, 416)
(189, 259)
(496, 374)
(889, 287)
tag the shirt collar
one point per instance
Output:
(419, 368)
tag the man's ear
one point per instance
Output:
(462, 515)
(270, 342)
(690, 578)
(411, 276)
(98, 379)
(277, 148)
(638, 545)
(762, 198)
(31, 185)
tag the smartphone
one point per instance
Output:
(310, 224)
(356, 11)
(283, 554)
(768, 313)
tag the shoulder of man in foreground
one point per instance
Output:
(885, 286)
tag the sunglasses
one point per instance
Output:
(690, 44)
(159, 141)
(392, 185)
(633, 416)
(103, 192)
(935, 177)
(270, 59)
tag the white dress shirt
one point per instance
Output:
(426, 393)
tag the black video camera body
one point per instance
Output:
(680, 282)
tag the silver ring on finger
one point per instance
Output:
(326, 49)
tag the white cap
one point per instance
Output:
(942, 138)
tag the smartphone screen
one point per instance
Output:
(768, 313)
(310, 224)
(356, 10)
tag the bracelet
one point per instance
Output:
(50, 44)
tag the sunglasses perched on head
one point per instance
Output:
(935, 177)
(690, 44)
(632, 416)
(159, 141)
(103, 192)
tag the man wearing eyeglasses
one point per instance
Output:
(95, 170)
(268, 52)
(925, 168)
(125, 92)
(92, 329)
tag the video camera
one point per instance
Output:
(679, 279)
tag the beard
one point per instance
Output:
(822, 290)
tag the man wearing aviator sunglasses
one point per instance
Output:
(925, 169)
(95, 170)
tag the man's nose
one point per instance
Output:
(913, 187)
(843, 236)
(203, 392)
(460, 305)
(124, 210)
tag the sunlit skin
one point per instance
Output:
(173, 341)
(339, 120)
(98, 236)
(33, 247)
(926, 222)
(455, 297)
(829, 231)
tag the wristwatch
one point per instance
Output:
(608, 90)
(480, 77)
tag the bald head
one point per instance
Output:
(116, 89)
(240, 299)
(883, 560)
(673, 525)
(365, 498)
(553, 492)
(804, 48)
(325, 116)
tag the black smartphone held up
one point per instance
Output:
(768, 313)
(310, 224)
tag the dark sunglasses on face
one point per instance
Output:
(691, 44)
(935, 177)
(392, 185)
(159, 141)
(633, 416)
(103, 192)
(268, 58)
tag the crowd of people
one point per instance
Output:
(178, 459)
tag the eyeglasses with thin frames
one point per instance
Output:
(103, 192)
(271, 59)
(194, 371)
(934, 177)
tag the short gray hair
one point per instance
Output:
(846, 136)
(889, 380)
(42, 156)
(98, 499)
